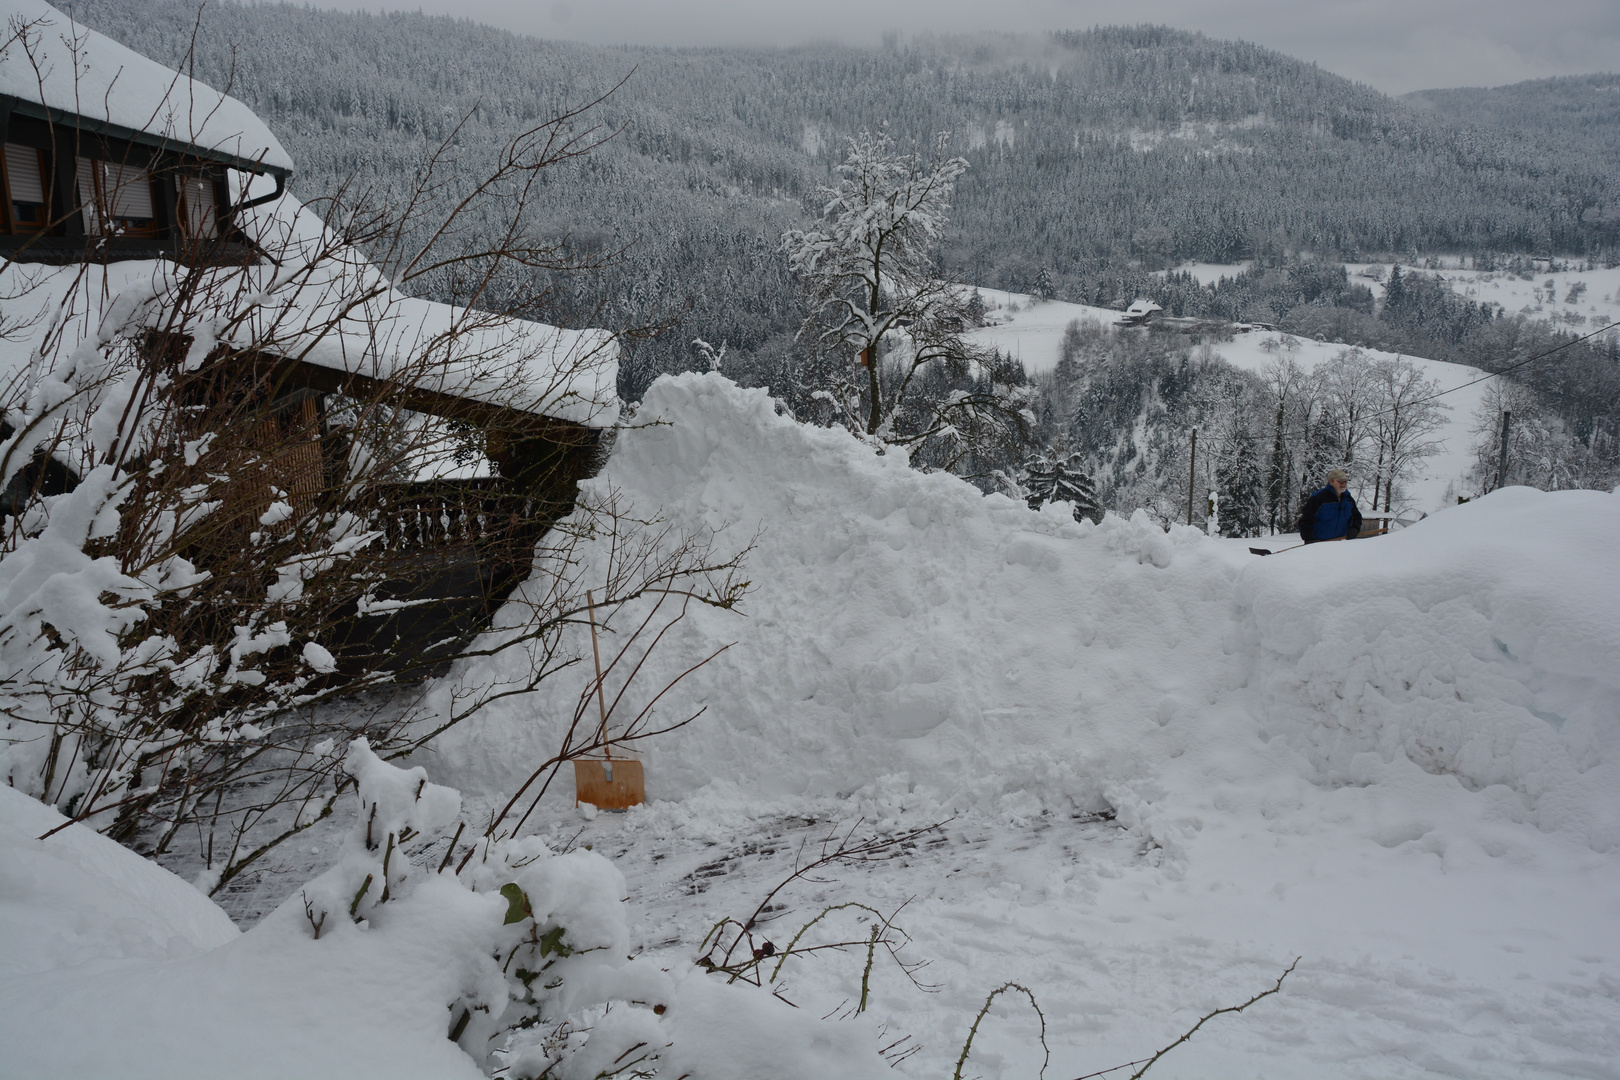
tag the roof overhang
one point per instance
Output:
(11, 104)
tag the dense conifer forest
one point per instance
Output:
(1096, 160)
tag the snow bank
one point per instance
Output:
(902, 627)
(1482, 643)
(908, 637)
(1395, 758)
(79, 898)
(114, 966)
(103, 80)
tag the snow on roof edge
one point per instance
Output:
(87, 74)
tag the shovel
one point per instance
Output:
(607, 783)
(1358, 536)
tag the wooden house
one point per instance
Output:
(116, 170)
(1140, 313)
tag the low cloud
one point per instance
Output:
(1394, 45)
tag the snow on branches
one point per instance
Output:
(875, 296)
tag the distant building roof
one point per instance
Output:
(68, 70)
(1142, 308)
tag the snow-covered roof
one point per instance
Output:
(68, 68)
(316, 300)
(1142, 307)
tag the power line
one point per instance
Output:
(1472, 382)
(1522, 363)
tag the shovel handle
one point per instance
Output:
(596, 657)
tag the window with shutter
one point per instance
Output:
(27, 209)
(196, 214)
(117, 198)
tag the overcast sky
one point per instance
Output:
(1396, 45)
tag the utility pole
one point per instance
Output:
(1192, 475)
(1501, 460)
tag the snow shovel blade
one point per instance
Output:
(612, 784)
(1259, 551)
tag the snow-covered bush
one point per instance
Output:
(541, 983)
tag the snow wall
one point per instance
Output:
(914, 644)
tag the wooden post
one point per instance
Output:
(1501, 460)
(1192, 475)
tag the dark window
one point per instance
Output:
(27, 209)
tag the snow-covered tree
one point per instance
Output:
(1408, 412)
(1045, 284)
(1241, 482)
(1541, 453)
(1350, 386)
(1053, 476)
(1282, 377)
(870, 276)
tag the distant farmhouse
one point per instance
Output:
(1140, 313)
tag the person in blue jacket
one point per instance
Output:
(1331, 513)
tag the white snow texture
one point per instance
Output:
(1395, 757)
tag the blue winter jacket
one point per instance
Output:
(1328, 515)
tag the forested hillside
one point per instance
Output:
(1097, 161)
(1580, 111)
(1091, 152)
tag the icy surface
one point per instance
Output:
(88, 74)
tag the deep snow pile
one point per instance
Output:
(903, 625)
(1482, 644)
(1394, 758)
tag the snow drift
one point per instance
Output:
(1482, 643)
(903, 627)
(1395, 757)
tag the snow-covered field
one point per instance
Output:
(1032, 330)
(1165, 769)
(1540, 294)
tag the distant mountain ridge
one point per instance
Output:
(1575, 108)
(1092, 152)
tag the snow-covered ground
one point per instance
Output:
(1541, 295)
(1165, 768)
(1032, 330)
(1538, 294)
